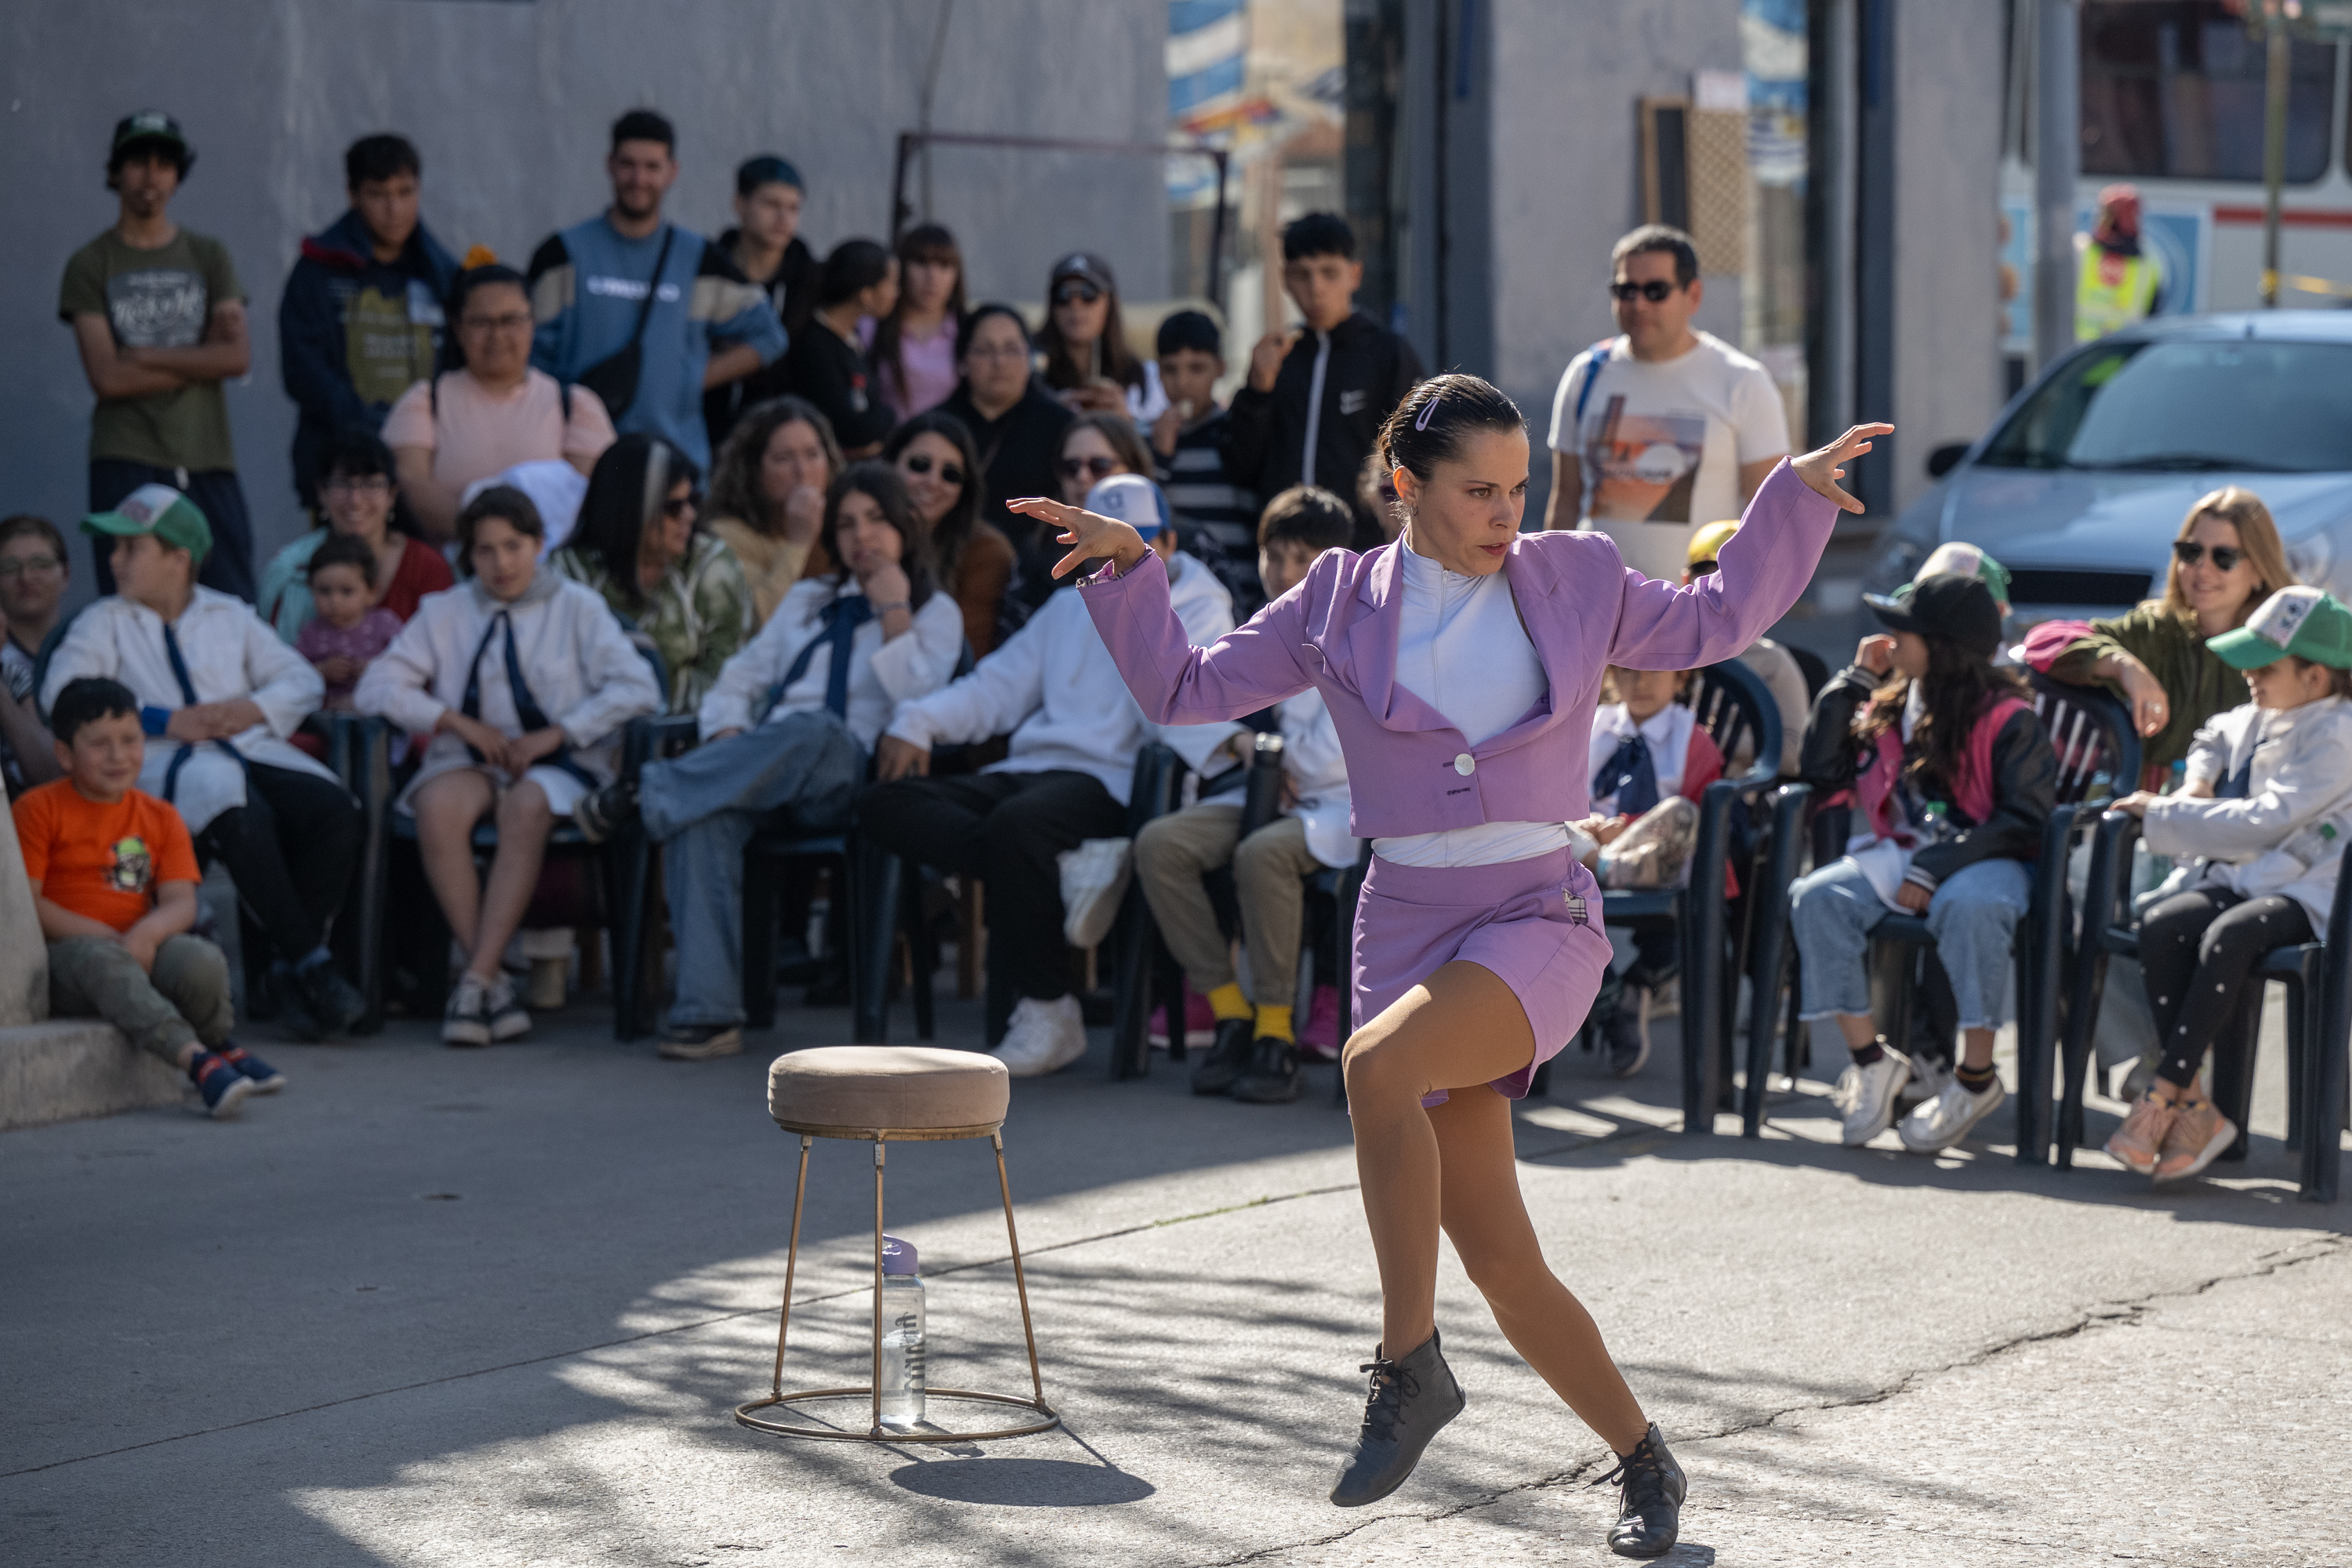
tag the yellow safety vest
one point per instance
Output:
(2102, 306)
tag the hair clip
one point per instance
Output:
(1427, 409)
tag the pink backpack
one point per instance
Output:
(1873, 784)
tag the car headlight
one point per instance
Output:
(2311, 559)
(1897, 563)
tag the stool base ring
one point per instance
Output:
(744, 1416)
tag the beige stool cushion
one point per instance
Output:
(893, 1088)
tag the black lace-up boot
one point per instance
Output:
(1649, 1500)
(1410, 1398)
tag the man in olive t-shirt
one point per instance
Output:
(159, 316)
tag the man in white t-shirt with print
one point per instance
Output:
(1661, 428)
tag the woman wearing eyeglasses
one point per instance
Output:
(637, 545)
(972, 559)
(1088, 361)
(2226, 560)
(34, 569)
(489, 410)
(355, 487)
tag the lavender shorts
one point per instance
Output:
(1535, 924)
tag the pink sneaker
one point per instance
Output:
(2198, 1135)
(1200, 1023)
(1320, 1040)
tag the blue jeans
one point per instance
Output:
(1973, 916)
(801, 773)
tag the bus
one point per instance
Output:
(2172, 103)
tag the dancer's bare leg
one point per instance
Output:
(1463, 1025)
(1486, 1220)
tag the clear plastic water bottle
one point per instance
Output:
(903, 1355)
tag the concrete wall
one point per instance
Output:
(508, 104)
(1948, 376)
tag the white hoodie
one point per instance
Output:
(2286, 836)
(1053, 685)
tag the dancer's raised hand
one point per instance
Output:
(1822, 470)
(1090, 535)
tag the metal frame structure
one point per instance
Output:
(913, 142)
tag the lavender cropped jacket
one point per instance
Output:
(1411, 772)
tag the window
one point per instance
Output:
(2173, 90)
(2245, 404)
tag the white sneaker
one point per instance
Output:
(1043, 1036)
(1940, 1122)
(1928, 1077)
(1093, 880)
(1866, 1094)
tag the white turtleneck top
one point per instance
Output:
(1461, 649)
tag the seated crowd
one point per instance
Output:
(516, 556)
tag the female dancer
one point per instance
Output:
(1461, 664)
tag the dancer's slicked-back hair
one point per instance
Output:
(1436, 416)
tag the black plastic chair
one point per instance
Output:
(359, 755)
(1737, 710)
(2318, 977)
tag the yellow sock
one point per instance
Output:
(1274, 1024)
(1227, 1002)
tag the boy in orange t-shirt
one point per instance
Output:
(114, 879)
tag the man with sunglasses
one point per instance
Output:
(1663, 427)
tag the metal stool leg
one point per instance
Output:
(792, 1263)
(1020, 1276)
(877, 1430)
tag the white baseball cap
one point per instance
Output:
(1133, 501)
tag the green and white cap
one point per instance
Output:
(2301, 621)
(1968, 561)
(160, 510)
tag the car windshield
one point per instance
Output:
(2236, 402)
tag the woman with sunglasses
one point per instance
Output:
(1094, 448)
(767, 497)
(973, 559)
(1088, 361)
(2225, 561)
(679, 589)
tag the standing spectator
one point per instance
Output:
(970, 556)
(361, 321)
(492, 410)
(1189, 440)
(646, 315)
(1316, 398)
(1075, 732)
(34, 570)
(767, 500)
(1663, 427)
(2118, 282)
(829, 362)
(637, 545)
(912, 349)
(357, 471)
(1017, 423)
(766, 247)
(114, 882)
(159, 316)
(1088, 361)
(220, 696)
(519, 732)
(351, 626)
(786, 731)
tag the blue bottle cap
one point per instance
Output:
(897, 1256)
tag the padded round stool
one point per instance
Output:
(882, 1094)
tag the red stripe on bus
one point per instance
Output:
(2290, 218)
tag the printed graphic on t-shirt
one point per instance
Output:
(161, 308)
(386, 346)
(1644, 464)
(130, 868)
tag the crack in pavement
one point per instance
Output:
(2101, 1316)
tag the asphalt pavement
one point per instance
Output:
(431, 1307)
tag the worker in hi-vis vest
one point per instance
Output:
(2118, 281)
